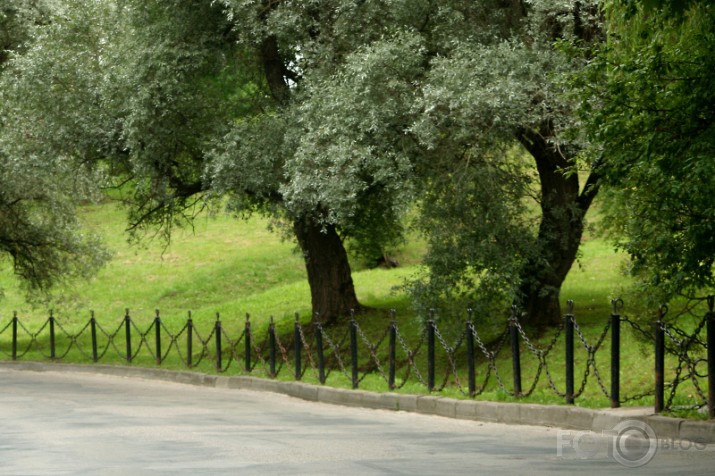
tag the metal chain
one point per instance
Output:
(487, 354)
(258, 349)
(411, 354)
(33, 340)
(308, 352)
(283, 351)
(493, 365)
(73, 340)
(599, 379)
(143, 340)
(635, 326)
(480, 343)
(110, 338)
(450, 350)
(683, 357)
(372, 348)
(682, 345)
(336, 351)
(551, 383)
(204, 347)
(526, 340)
(235, 354)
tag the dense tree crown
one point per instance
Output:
(39, 230)
(336, 116)
(341, 118)
(652, 119)
(456, 105)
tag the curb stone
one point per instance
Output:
(558, 416)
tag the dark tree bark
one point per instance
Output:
(331, 284)
(562, 223)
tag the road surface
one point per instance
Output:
(54, 423)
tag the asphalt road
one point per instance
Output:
(82, 424)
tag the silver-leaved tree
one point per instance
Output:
(339, 117)
(39, 229)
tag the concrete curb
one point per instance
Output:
(559, 416)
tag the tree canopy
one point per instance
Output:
(650, 114)
(335, 116)
(494, 122)
(39, 229)
(440, 102)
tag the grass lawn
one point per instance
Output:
(234, 267)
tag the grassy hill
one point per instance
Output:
(236, 267)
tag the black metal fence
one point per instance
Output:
(350, 352)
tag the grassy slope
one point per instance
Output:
(223, 265)
(237, 267)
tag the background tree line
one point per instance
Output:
(491, 124)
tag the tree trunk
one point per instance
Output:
(562, 223)
(332, 291)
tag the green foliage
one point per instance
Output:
(429, 101)
(482, 188)
(338, 114)
(18, 19)
(477, 233)
(652, 120)
(39, 231)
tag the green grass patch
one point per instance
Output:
(228, 268)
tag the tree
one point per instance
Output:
(441, 101)
(39, 229)
(649, 111)
(334, 116)
(158, 97)
(17, 21)
(244, 149)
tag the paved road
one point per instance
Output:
(82, 424)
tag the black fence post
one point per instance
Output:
(93, 331)
(515, 356)
(52, 336)
(272, 347)
(615, 355)
(128, 335)
(660, 360)
(470, 353)
(319, 348)
(157, 337)
(711, 357)
(297, 343)
(430, 351)
(569, 354)
(392, 351)
(247, 350)
(189, 341)
(354, 350)
(217, 330)
(14, 335)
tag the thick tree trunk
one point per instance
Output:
(562, 223)
(331, 285)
